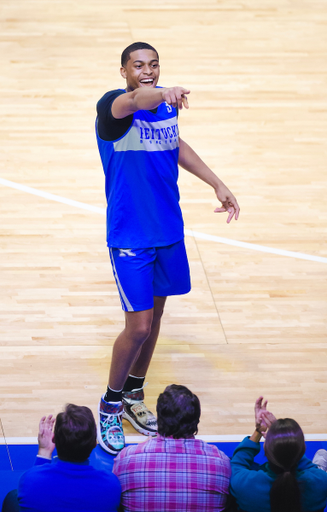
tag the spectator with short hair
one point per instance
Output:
(68, 483)
(174, 471)
(289, 482)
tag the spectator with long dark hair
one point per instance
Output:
(289, 481)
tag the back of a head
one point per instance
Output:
(178, 411)
(284, 448)
(75, 433)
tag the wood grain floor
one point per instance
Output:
(254, 323)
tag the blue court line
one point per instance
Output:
(188, 232)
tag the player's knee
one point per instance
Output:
(141, 332)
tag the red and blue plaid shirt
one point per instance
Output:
(166, 474)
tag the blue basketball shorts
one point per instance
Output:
(141, 274)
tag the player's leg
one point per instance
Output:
(135, 410)
(126, 349)
(128, 346)
(133, 272)
(171, 277)
(144, 357)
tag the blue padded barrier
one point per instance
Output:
(23, 457)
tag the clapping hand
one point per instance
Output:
(267, 420)
(263, 418)
(45, 436)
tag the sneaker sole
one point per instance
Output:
(104, 447)
(137, 426)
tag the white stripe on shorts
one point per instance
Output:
(120, 288)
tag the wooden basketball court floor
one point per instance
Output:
(255, 321)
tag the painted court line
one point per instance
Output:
(255, 247)
(52, 197)
(130, 439)
(188, 232)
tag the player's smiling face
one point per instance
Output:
(141, 70)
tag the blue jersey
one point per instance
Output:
(141, 172)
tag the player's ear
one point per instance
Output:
(123, 72)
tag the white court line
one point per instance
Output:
(255, 247)
(188, 232)
(52, 197)
(140, 439)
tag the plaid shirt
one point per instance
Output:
(166, 474)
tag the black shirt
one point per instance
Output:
(110, 128)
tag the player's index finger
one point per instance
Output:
(185, 101)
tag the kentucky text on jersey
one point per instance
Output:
(159, 133)
(145, 134)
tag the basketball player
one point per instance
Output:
(140, 149)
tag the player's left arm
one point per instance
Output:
(191, 162)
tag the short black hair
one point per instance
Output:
(75, 433)
(126, 55)
(178, 411)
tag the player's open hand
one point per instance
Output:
(176, 96)
(228, 201)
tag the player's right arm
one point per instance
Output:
(148, 99)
